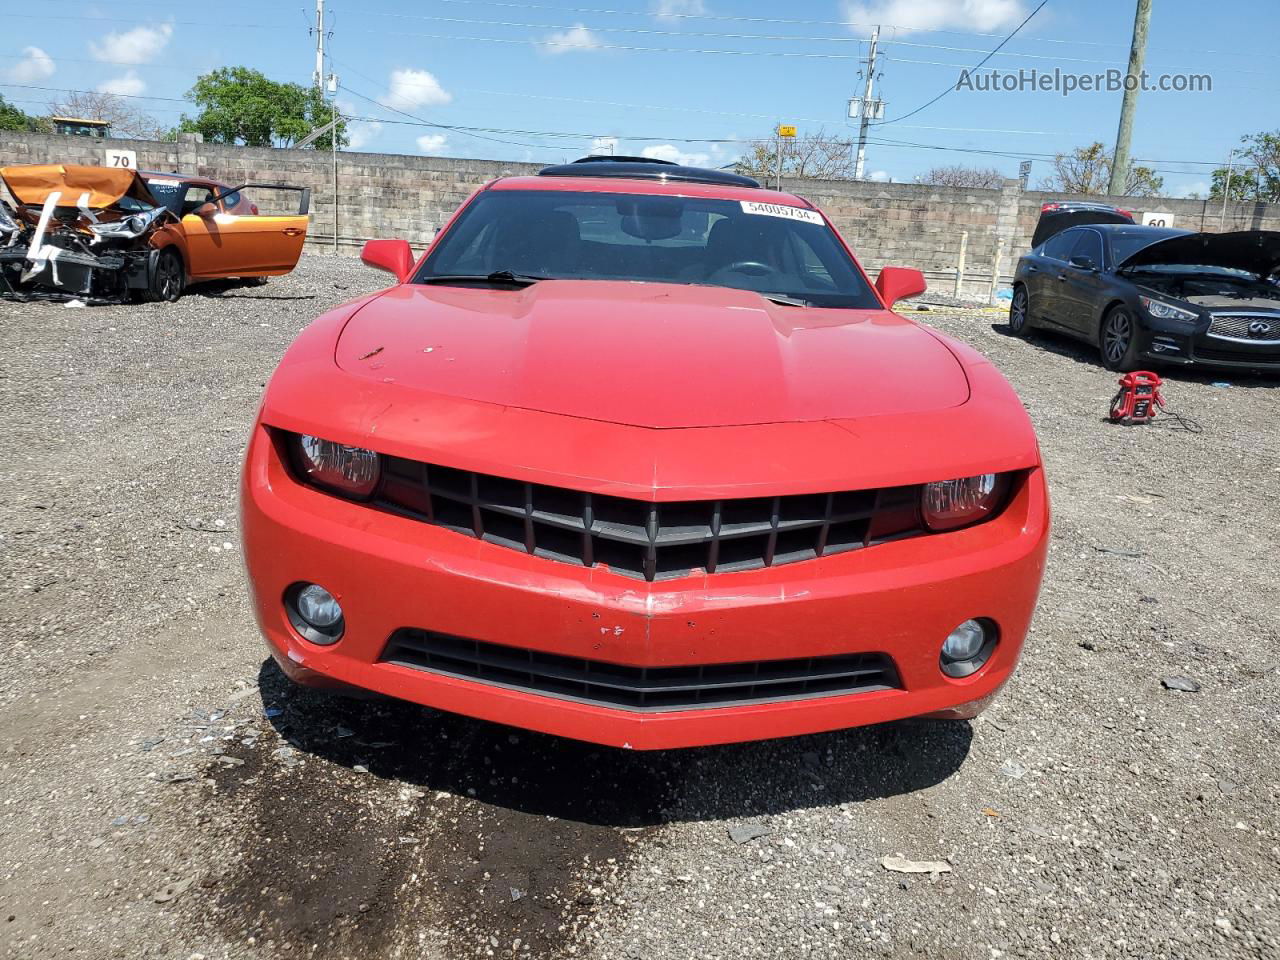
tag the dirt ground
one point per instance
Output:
(164, 794)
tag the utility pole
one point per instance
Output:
(317, 77)
(867, 106)
(1226, 193)
(1137, 54)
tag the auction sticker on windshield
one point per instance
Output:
(781, 210)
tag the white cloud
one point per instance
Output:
(671, 9)
(360, 133)
(607, 145)
(35, 65)
(432, 142)
(667, 151)
(576, 38)
(410, 89)
(128, 84)
(139, 45)
(979, 15)
(881, 176)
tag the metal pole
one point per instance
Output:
(995, 269)
(777, 180)
(1124, 135)
(333, 140)
(964, 245)
(1231, 162)
(865, 123)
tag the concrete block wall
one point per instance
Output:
(381, 195)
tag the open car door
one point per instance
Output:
(235, 245)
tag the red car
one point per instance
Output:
(636, 454)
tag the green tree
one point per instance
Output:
(1256, 172)
(240, 105)
(1088, 170)
(13, 118)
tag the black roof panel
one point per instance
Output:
(645, 168)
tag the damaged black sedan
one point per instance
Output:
(100, 235)
(1154, 295)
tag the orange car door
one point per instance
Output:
(231, 245)
(226, 240)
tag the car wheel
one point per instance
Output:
(169, 280)
(1118, 340)
(1019, 312)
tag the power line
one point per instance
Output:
(975, 67)
(485, 133)
(728, 18)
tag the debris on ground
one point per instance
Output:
(746, 832)
(901, 864)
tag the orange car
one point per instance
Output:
(103, 235)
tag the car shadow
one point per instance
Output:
(239, 290)
(550, 776)
(1080, 352)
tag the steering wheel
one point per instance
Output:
(752, 268)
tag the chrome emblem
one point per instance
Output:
(1259, 328)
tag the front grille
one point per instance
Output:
(641, 689)
(1251, 328)
(638, 538)
(1262, 355)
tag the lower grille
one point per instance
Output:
(640, 538)
(641, 689)
(1260, 355)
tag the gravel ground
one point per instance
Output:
(164, 794)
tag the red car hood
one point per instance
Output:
(650, 355)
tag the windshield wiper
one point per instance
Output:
(786, 301)
(498, 277)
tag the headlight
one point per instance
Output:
(352, 471)
(131, 226)
(1167, 311)
(949, 504)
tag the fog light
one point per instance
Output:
(967, 648)
(314, 613)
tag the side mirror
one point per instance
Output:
(898, 283)
(206, 210)
(1084, 263)
(394, 256)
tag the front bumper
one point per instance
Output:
(73, 275)
(391, 572)
(1172, 343)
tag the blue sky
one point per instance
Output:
(670, 77)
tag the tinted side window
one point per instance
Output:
(1059, 247)
(197, 196)
(1089, 245)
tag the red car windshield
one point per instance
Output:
(780, 251)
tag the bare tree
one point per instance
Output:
(125, 119)
(988, 178)
(1088, 170)
(820, 156)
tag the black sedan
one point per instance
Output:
(1155, 294)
